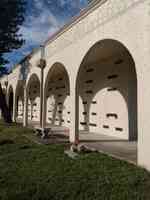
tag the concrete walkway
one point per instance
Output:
(113, 146)
(122, 149)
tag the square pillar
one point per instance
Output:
(41, 65)
(25, 110)
(44, 110)
(14, 115)
(73, 128)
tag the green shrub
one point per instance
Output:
(6, 141)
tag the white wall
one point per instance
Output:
(125, 21)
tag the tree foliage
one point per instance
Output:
(11, 18)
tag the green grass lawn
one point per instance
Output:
(30, 171)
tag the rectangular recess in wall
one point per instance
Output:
(84, 113)
(60, 111)
(105, 126)
(89, 81)
(83, 123)
(68, 112)
(62, 87)
(94, 102)
(49, 111)
(90, 70)
(112, 76)
(118, 62)
(68, 121)
(112, 115)
(60, 95)
(93, 113)
(92, 124)
(89, 92)
(59, 103)
(111, 89)
(50, 118)
(84, 102)
(118, 129)
(56, 119)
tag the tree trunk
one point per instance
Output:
(6, 114)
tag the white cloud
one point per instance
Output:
(41, 27)
(38, 28)
(42, 21)
(38, 4)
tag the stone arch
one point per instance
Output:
(106, 79)
(56, 95)
(33, 98)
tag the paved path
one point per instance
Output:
(114, 146)
(121, 149)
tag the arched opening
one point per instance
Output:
(106, 89)
(19, 101)
(4, 91)
(10, 100)
(3, 100)
(33, 96)
(57, 92)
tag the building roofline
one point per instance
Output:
(83, 13)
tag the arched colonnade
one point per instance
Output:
(105, 93)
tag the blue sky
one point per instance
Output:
(42, 19)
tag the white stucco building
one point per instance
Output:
(96, 77)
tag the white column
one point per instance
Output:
(44, 110)
(74, 103)
(41, 98)
(143, 75)
(42, 66)
(14, 108)
(25, 110)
